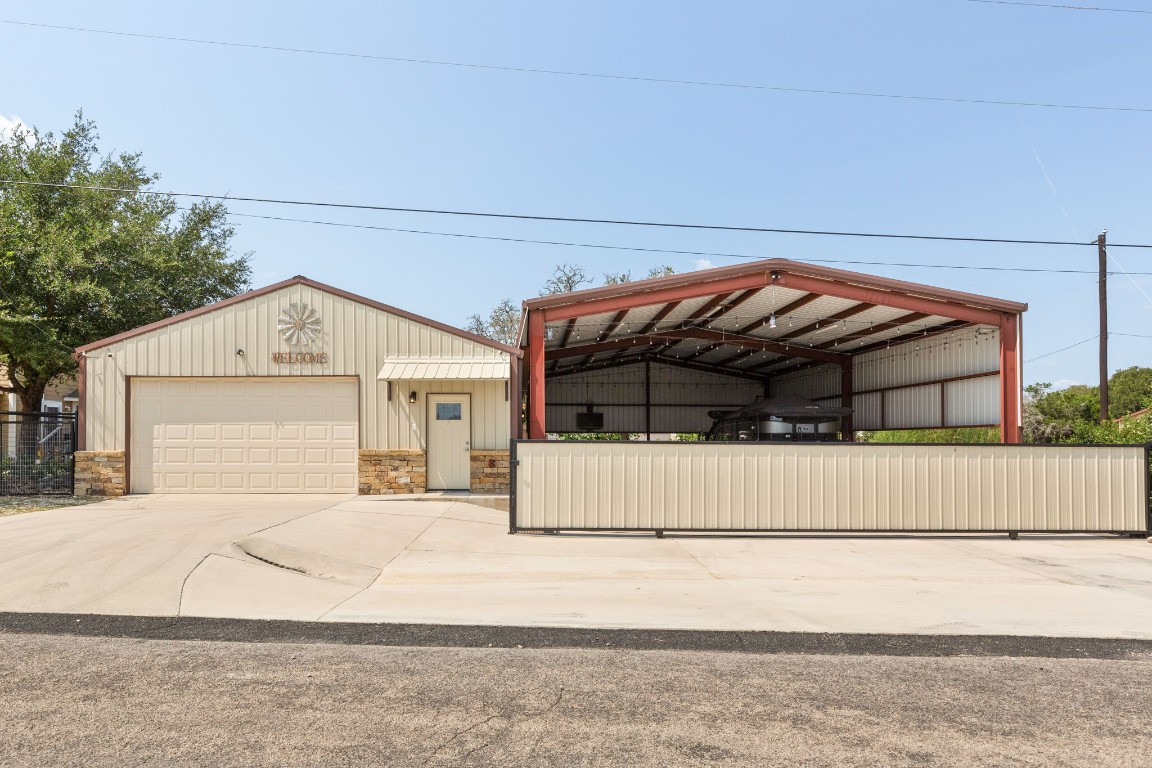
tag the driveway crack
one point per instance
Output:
(460, 733)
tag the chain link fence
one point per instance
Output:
(37, 453)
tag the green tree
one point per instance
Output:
(1054, 416)
(565, 279)
(968, 435)
(1129, 390)
(78, 265)
(502, 323)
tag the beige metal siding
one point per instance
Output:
(357, 338)
(829, 487)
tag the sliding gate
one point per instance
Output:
(767, 486)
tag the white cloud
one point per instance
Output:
(703, 263)
(10, 124)
(1064, 383)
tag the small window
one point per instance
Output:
(447, 411)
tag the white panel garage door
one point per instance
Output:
(288, 435)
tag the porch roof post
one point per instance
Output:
(847, 396)
(536, 401)
(1010, 391)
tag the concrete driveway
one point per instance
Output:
(395, 560)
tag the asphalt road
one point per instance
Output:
(109, 701)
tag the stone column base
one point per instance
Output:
(392, 471)
(100, 473)
(491, 472)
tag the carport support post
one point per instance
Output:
(847, 391)
(647, 399)
(536, 375)
(1010, 392)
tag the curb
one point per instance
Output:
(474, 636)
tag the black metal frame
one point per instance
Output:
(41, 469)
(514, 463)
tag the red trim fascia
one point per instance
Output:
(298, 280)
(618, 301)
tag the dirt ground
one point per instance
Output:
(93, 701)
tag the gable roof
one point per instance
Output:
(726, 319)
(297, 280)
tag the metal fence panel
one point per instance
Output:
(37, 453)
(828, 487)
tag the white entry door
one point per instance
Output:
(449, 442)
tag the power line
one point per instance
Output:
(566, 219)
(1131, 335)
(719, 254)
(574, 73)
(1061, 7)
(1062, 349)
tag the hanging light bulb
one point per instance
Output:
(772, 321)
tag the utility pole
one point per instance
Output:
(1102, 248)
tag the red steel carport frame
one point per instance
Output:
(821, 281)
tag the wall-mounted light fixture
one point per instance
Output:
(240, 352)
(412, 397)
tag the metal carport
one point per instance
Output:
(783, 327)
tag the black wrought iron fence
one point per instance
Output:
(37, 453)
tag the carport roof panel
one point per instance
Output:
(846, 277)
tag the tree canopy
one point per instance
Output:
(1129, 390)
(502, 323)
(1072, 414)
(77, 265)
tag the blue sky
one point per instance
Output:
(272, 124)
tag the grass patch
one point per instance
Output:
(18, 505)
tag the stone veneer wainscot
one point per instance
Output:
(100, 473)
(384, 472)
(490, 472)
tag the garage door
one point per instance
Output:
(287, 435)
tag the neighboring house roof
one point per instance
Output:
(297, 280)
(60, 388)
(1133, 415)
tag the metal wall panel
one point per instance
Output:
(972, 401)
(936, 357)
(868, 413)
(828, 486)
(681, 398)
(967, 402)
(356, 337)
(812, 383)
(912, 408)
